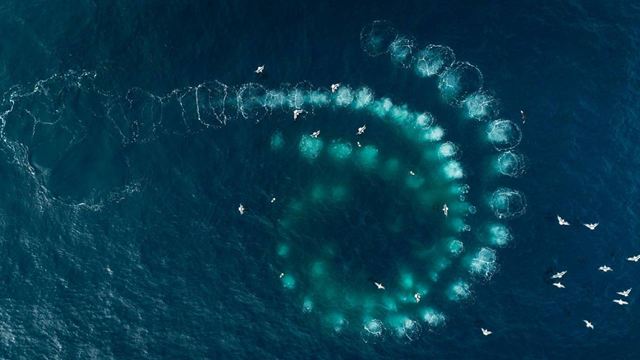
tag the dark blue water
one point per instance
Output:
(134, 249)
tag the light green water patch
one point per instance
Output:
(344, 96)
(499, 235)
(338, 193)
(318, 193)
(318, 98)
(367, 156)
(340, 150)
(283, 250)
(455, 247)
(318, 269)
(389, 304)
(288, 281)
(310, 147)
(364, 97)
(307, 305)
(277, 141)
(459, 290)
(432, 317)
(406, 280)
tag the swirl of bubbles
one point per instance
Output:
(405, 241)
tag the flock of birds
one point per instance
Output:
(603, 268)
(445, 209)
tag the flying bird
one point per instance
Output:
(259, 69)
(591, 226)
(273, 199)
(445, 210)
(605, 268)
(588, 324)
(379, 285)
(634, 258)
(315, 134)
(624, 293)
(361, 129)
(486, 332)
(297, 113)
(334, 87)
(558, 285)
(417, 297)
(241, 209)
(620, 302)
(562, 221)
(558, 275)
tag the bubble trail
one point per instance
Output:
(365, 207)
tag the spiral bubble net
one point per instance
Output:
(379, 234)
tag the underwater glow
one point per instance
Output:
(380, 231)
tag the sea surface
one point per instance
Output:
(120, 236)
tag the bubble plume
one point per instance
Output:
(382, 196)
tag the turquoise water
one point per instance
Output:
(132, 133)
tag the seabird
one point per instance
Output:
(558, 275)
(605, 268)
(445, 210)
(588, 324)
(296, 113)
(412, 173)
(358, 143)
(558, 285)
(634, 258)
(379, 286)
(417, 297)
(620, 302)
(523, 116)
(315, 134)
(486, 332)
(361, 129)
(591, 226)
(281, 275)
(260, 69)
(624, 293)
(273, 199)
(562, 221)
(334, 87)
(241, 209)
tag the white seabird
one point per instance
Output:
(588, 324)
(620, 302)
(591, 226)
(297, 113)
(412, 173)
(361, 129)
(605, 268)
(273, 199)
(241, 209)
(445, 210)
(558, 285)
(315, 134)
(558, 275)
(259, 69)
(634, 258)
(334, 87)
(281, 275)
(417, 297)
(379, 285)
(562, 221)
(486, 332)
(624, 293)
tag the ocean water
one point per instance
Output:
(119, 226)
